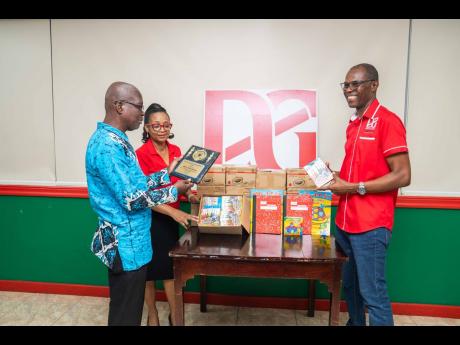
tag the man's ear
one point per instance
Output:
(118, 107)
(375, 85)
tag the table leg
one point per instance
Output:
(311, 297)
(179, 301)
(203, 293)
(334, 302)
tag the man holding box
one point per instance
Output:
(376, 164)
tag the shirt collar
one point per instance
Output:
(153, 150)
(105, 126)
(368, 112)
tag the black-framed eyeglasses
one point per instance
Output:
(140, 107)
(354, 84)
(157, 127)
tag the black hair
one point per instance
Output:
(152, 109)
(371, 71)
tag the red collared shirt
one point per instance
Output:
(150, 161)
(379, 133)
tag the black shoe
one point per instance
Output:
(169, 319)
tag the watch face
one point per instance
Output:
(361, 189)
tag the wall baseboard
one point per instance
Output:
(229, 300)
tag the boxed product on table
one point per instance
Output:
(297, 178)
(271, 178)
(257, 192)
(321, 211)
(224, 214)
(293, 226)
(234, 190)
(240, 176)
(210, 190)
(300, 205)
(214, 177)
(268, 214)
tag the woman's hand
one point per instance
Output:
(183, 218)
(183, 186)
(193, 198)
(173, 164)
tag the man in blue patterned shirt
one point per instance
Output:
(122, 196)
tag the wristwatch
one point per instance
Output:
(361, 188)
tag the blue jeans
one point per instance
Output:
(364, 283)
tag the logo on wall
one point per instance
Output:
(273, 129)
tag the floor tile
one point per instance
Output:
(266, 317)
(215, 315)
(18, 308)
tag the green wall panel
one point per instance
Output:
(47, 240)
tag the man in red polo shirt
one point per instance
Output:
(376, 164)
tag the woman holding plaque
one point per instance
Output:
(155, 154)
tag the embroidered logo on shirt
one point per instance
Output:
(372, 123)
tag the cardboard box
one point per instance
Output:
(215, 227)
(271, 179)
(297, 178)
(240, 176)
(210, 190)
(232, 190)
(214, 177)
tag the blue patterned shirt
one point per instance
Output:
(122, 195)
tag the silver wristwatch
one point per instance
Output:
(361, 188)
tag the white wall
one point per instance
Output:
(173, 62)
(433, 127)
(26, 107)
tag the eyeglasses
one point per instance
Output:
(354, 84)
(157, 127)
(140, 107)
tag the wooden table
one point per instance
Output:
(262, 256)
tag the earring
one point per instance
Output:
(171, 136)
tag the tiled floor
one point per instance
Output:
(17, 308)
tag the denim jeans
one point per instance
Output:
(364, 283)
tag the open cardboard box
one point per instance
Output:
(239, 229)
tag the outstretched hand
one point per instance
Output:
(183, 218)
(183, 186)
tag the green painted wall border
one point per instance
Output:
(47, 239)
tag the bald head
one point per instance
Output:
(120, 91)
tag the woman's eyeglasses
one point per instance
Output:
(157, 127)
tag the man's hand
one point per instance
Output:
(183, 218)
(339, 186)
(173, 164)
(183, 186)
